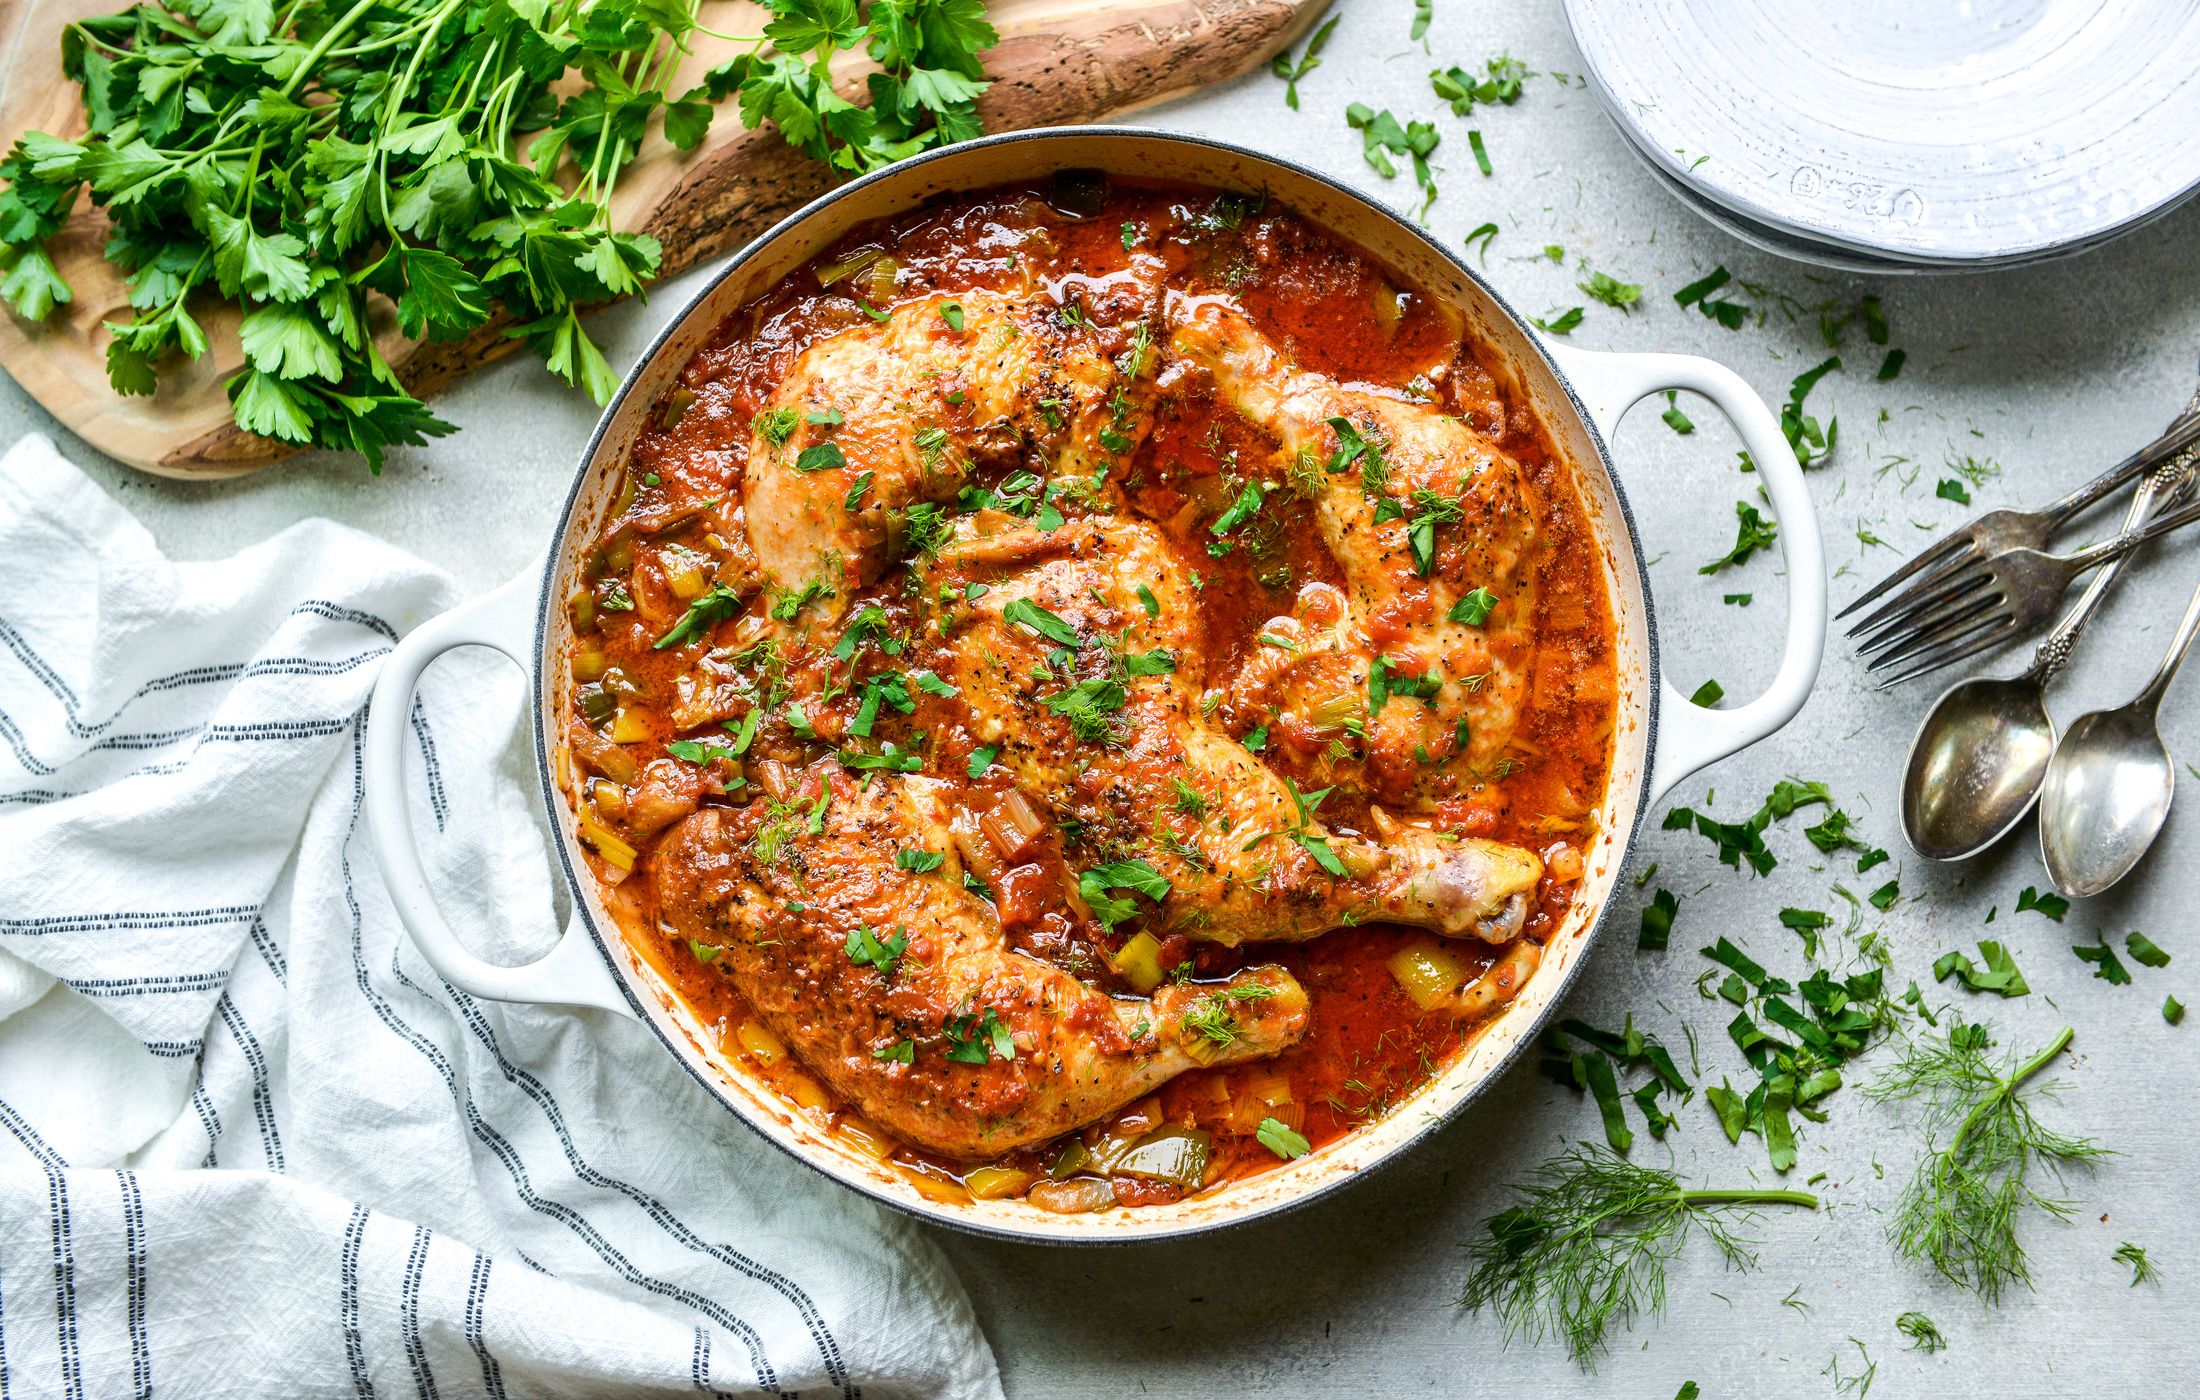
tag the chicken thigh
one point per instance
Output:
(1082, 663)
(1433, 528)
(873, 428)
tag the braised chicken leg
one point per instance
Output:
(897, 988)
(1082, 662)
(1433, 528)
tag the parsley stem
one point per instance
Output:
(312, 61)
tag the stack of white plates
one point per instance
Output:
(1908, 135)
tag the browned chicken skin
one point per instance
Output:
(1050, 1053)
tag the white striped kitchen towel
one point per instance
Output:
(250, 1144)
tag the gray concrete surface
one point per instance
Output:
(2049, 373)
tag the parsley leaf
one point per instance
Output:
(867, 949)
(1754, 533)
(1280, 1137)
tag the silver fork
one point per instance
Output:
(2003, 596)
(2001, 530)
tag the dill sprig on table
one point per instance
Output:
(1590, 1243)
(1961, 1209)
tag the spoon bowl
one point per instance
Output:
(1976, 765)
(2106, 795)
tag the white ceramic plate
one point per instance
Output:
(1920, 133)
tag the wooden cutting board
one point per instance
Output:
(1058, 62)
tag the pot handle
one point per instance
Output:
(572, 973)
(1690, 736)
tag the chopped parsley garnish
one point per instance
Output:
(1674, 418)
(1754, 533)
(855, 492)
(1280, 1137)
(921, 862)
(1479, 239)
(2053, 905)
(1138, 876)
(1309, 59)
(2106, 965)
(1240, 510)
(901, 1052)
(969, 1038)
(1657, 921)
(931, 684)
(1146, 600)
(888, 758)
(703, 614)
(825, 418)
(1999, 975)
(1384, 681)
(2144, 952)
(1038, 619)
(1481, 151)
(982, 759)
(1462, 89)
(1381, 137)
(1604, 287)
(952, 313)
(2173, 1010)
(1560, 322)
(1698, 294)
(704, 952)
(866, 949)
(1812, 445)
(820, 457)
(696, 751)
(1951, 489)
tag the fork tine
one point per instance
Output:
(1935, 582)
(1952, 653)
(1927, 631)
(1945, 553)
(1941, 632)
(1903, 614)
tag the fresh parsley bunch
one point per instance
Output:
(313, 162)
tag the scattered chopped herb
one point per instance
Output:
(2173, 1010)
(855, 492)
(820, 457)
(1892, 364)
(1951, 489)
(2053, 905)
(1708, 694)
(867, 949)
(1752, 534)
(982, 759)
(1138, 876)
(1282, 1139)
(1674, 418)
(1474, 608)
(706, 612)
(1481, 152)
(2000, 973)
(1611, 291)
(952, 313)
(969, 1038)
(1562, 322)
(1479, 239)
(1038, 619)
(2144, 952)
(2106, 965)
(1308, 60)
(919, 861)
(1657, 921)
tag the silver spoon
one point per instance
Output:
(1977, 762)
(2109, 785)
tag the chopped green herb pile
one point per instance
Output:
(1590, 1242)
(455, 156)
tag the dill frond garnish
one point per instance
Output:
(1961, 1209)
(1589, 1245)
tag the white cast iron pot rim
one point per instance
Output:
(941, 1214)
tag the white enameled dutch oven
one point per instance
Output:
(1659, 739)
